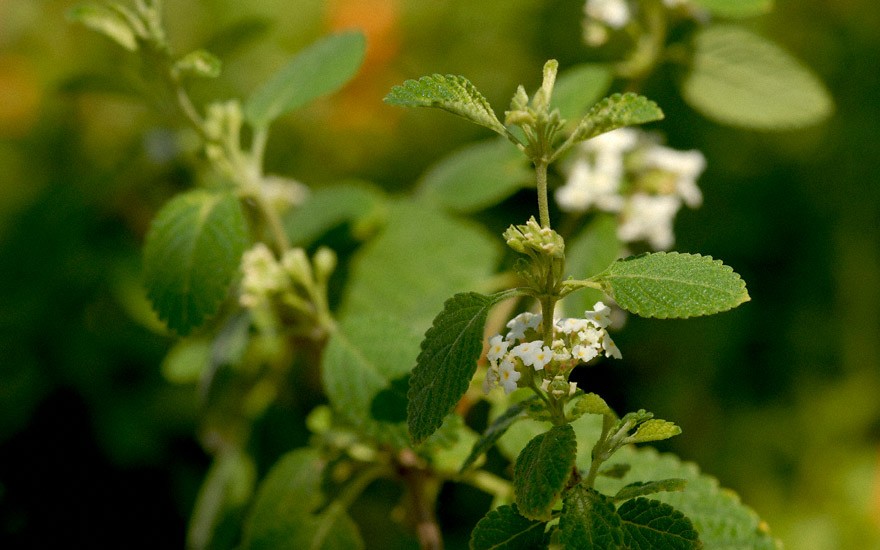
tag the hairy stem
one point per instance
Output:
(543, 205)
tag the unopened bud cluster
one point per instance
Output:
(534, 240)
(523, 350)
(293, 279)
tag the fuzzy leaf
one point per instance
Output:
(452, 93)
(505, 529)
(642, 488)
(320, 69)
(589, 520)
(496, 429)
(199, 63)
(590, 403)
(650, 524)
(655, 430)
(742, 79)
(717, 514)
(476, 177)
(579, 87)
(542, 470)
(191, 256)
(617, 111)
(107, 22)
(283, 513)
(736, 9)
(360, 361)
(673, 285)
(447, 362)
(359, 204)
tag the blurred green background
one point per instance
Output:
(778, 399)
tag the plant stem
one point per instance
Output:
(543, 205)
(415, 477)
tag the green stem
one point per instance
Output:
(543, 204)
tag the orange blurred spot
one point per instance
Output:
(377, 19)
(20, 96)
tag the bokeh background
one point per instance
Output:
(778, 399)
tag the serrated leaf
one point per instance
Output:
(673, 285)
(496, 429)
(717, 514)
(199, 63)
(655, 430)
(447, 361)
(579, 87)
(736, 8)
(320, 69)
(399, 271)
(364, 356)
(642, 488)
(107, 22)
(542, 470)
(589, 520)
(476, 176)
(590, 251)
(282, 515)
(191, 256)
(617, 111)
(226, 490)
(615, 471)
(359, 204)
(590, 403)
(650, 524)
(742, 79)
(505, 529)
(453, 93)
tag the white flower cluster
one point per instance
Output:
(575, 341)
(602, 15)
(625, 172)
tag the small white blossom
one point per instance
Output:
(571, 325)
(498, 346)
(611, 349)
(649, 217)
(584, 353)
(600, 316)
(572, 388)
(508, 376)
(522, 322)
(614, 13)
(687, 166)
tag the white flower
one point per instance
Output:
(498, 346)
(508, 375)
(600, 316)
(687, 167)
(611, 349)
(614, 13)
(649, 218)
(533, 354)
(584, 353)
(571, 325)
(522, 322)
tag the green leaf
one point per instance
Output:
(589, 520)
(505, 529)
(741, 79)
(642, 488)
(107, 22)
(542, 470)
(617, 111)
(282, 515)
(578, 88)
(736, 9)
(590, 251)
(476, 176)
(191, 256)
(496, 429)
(226, 490)
(448, 360)
(673, 285)
(717, 514)
(590, 403)
(650, 524)
(320, 69)
(655, 430)
(421, 258)
(360, 204)
(364, 356)
(199, 63)
(452, 93)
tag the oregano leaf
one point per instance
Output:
(496, 429)
(617, 111)
(542, 470)
(505, 529)
(453, 93)
(589, 520)
(673, 285)
(320, 69)
(191, 256)
(447, 361)
(655, 430)
(739, 78)
(649, 524)
(642, 488)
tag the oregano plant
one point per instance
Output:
(238, 269)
